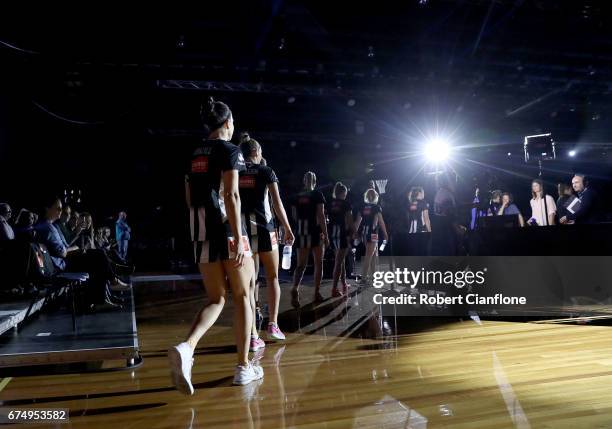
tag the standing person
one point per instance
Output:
(586, 211)
(341, 226)
(123, 234)
(508, 208)
(221, 246)
(371, 216)
(418, 222)
(418, 211)
(256, 183)
(566, 196)
(309, 215)
(6, 231)
(543, 207)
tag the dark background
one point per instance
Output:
(106, 100)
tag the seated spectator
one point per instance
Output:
(71, 258)
(586, 211)
(24, 226)
(6, 231)
(101, 239)
(508, 207)
(64, 223)
(494, 203)
(85, 239)
(566, 196)
(74, 228)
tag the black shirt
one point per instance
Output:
(368, 215)
(562, 203)
(208, 162)
(337, 212)
(305, 211)
(587, 213)
(253, 186)
(415, 216)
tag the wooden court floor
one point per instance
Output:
(332, 373)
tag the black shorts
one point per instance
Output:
(369, 235)
(217, 245)
(308, 241)
(338, 237)
(262, 238)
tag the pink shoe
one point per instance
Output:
(256, 344)
(274, 333)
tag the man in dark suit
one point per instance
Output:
(587, 212)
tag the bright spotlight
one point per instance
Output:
(437, 150)
(572, 153)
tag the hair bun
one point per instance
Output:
(244, 137)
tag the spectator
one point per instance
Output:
(24, 226)
(74, 228)
(495, 202)
(543, 207)
(566, 196)
(123, 234)
(65, 256)
(508, 208)
(63, 224)
(102, 239)
(586, 210)
(6, 232)
(85, 239)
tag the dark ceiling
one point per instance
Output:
(361, 76)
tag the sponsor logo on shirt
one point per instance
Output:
(199, 164)
(367, 211)
(246, 182)
(304, 200)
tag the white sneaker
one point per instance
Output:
(181, 361)
(245, 374)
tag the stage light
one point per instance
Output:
(351, 102)
(572, 153)
(509, 153)
(291, 100)
(437, 150)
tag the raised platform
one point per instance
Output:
(14, 312)
(49, 339)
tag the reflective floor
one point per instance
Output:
(343, 367)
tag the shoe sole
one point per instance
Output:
(273, 337)
(176, 368)
(254, 349)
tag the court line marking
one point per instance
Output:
(4, 382)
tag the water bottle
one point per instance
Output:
(286, 257)
(383, 245)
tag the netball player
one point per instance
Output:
(371, 216)
(256, 183)
(341, 227)
(221, 246)
(309, 216)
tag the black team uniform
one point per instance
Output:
(256, 210)
(370, 222)
(304, 209)
(338, 233)
(210, 229)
